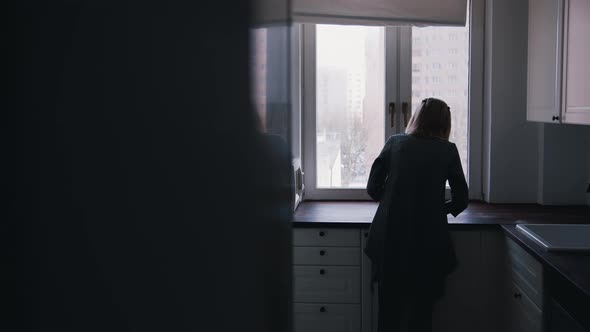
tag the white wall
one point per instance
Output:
(563, 164)
(524, 162)
(510, 142)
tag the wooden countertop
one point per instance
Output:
(360, 213)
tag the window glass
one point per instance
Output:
(350, 90)
(449, 55)
(258, 73)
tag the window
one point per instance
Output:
(350, 88)
(349, 96)
(258, 74)
(267, 52)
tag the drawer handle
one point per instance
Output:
(322, 271)
(322, 252)
(517, 295)
(322, 233)
(366, 234)
(322, 309)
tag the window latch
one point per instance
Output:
(405, 113)
(392, 113)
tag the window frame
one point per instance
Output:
(398, 49)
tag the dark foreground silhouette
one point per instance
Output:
(143, 198)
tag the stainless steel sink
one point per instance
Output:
(558, 237)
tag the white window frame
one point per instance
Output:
(296, 111)
(398, 50)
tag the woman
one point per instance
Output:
(409, 243)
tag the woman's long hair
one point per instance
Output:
(431, 119)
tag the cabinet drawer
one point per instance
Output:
(527, 315)
(327, 284)
(327, 317)
(526, 272)
(324, 237)
(326, 256)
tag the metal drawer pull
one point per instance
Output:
(322, 309)
(517, 295)
(322, 271)
(322, 252)
(322, 233)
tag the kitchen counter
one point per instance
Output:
(568, 274)
(564, 269)
(360, 214)
(574, 266)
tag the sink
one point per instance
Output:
(558, 237)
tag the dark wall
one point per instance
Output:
(142, 196)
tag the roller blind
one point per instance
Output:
(381, 12)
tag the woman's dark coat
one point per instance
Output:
(409, 243)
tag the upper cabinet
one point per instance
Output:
(577, 67)
(544, 72)
(558, 71)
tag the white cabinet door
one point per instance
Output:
(327, 284)
(327, 256)
(327, 317)
(577, 66)
(460, 310)
(326, 237)
(544, 69)
(525, 315)
(526, 272)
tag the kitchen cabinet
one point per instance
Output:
(558, 72)
(498, 285)
(326, 317)
(558, 319)
(544, 65)
(463, 306)
(524, 315)
(327, 279)
(577, 67)
(472, 300)
(525, 295)
(342, 298)
(531, 302)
